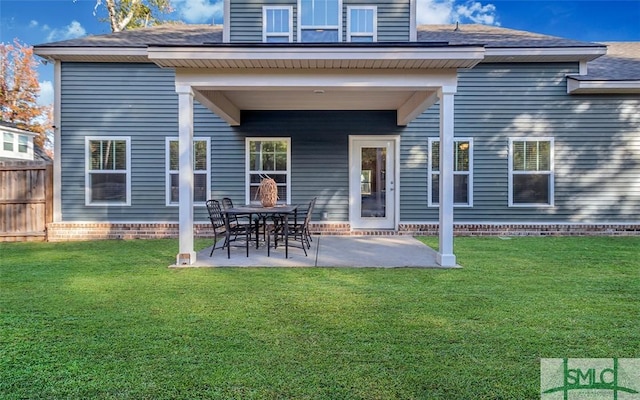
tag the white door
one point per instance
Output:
(372, 177)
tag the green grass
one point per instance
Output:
(108, 319)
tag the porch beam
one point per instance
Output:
(355, 79)
(186, 255)
(218, 103)
(445, 256)
(415, 106)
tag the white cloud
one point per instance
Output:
(199, 11)
(46, 93)
(448, 12)
(71, 31)
(33, 23)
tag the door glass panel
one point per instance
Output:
(373, 182)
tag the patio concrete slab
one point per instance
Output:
(330, 251)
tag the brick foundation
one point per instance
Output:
(70, 231)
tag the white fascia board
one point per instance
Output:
(575, 86)
(579, 53)
(316, 53)
(355, 79)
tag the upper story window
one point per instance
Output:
(361, 24)
(319, 20)
(531, 172)
(277, 24)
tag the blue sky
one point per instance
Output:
(40, 21)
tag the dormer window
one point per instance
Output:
(319, 21)
(361, 24)
(277, 24)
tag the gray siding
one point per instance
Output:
(319, 151)
(246, 19)
(597, 143)
(597, 146)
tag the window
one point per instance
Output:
(462, 176)
(531, 177)
(23, 144)
(7, 141)
(108, 171)
(201, 171)
(361, 24)
(319, 20)
(268, 157)
(277, 24)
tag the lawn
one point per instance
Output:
(108, 319)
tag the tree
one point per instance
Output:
(19, 90)
(132, 14)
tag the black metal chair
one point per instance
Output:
(227, 203)
(298, 228)
(222, 223)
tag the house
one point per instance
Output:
(17, 144)
(396, 128)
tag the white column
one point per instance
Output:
(446, 258)
(57, 142)
(186, 255)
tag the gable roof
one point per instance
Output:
(502, 44)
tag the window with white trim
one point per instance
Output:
(319, 21)
(362, 24)
(108, 170)
(7, 139)
(277, 24)
(268, 157)
(531, 172)
(23, 144)
(201, 171)
(462, 172)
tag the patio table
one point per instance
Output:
(283, 210)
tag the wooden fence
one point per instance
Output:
(26, 200)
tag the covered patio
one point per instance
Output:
(230, 79)
(394, 251)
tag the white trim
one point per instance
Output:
(354, 179)
(88, 171)
(550, 172)
(57, 142)
(577, 86)
(413, 25)
(226, 22)
(265, 34)
(300, 27)
(168, 172)
(247, 170)
(469, 173)
(374, 34)
(570, 53)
